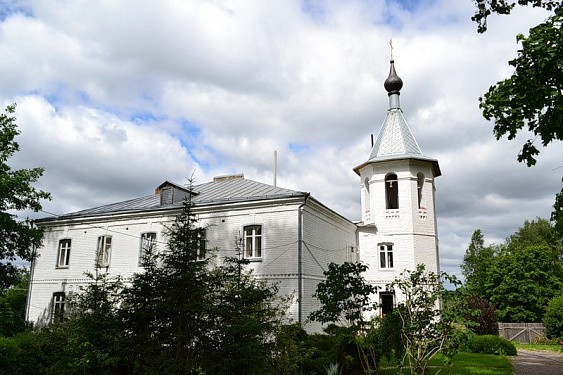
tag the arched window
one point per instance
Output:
(367, 203)
(419, 185)
(391, 192)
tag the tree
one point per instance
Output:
(168, 311)
(17, 237)
(553, 318)
(345, 300)
(521, 282)
(12, 308)
(344, 296)
(88, 339)
(476, 261)
(425, 328)
(533, 96)
(248, 315)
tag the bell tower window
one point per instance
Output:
(419, 186)
(391, 192)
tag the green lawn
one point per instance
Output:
(465, 363)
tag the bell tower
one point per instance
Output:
(398, 229)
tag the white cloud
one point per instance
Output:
(115, 97)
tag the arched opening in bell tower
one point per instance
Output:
(391, 192)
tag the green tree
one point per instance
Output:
(89, 339)
(522, 281)
(345, 300)
(476, 261)
(248, 315)
(537, 232)
(553, 318)
(17, 237)
(169, 307)
(425, 328)
(532, 97)
(344, 296)
(12, 308)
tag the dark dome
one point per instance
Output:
(393, 83)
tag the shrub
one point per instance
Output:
(483, 316)
(553, 318)
(490, 344)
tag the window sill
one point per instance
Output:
(61, 267)
(252, 260)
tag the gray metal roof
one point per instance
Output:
(395, 138)
(210, 193)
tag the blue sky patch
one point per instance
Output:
(10, 7)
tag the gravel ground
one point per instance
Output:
(537, 363)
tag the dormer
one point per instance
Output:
(171, 193)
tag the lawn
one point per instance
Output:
(465, 363)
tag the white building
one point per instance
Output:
(288, 236)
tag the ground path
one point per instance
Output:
(537, 363)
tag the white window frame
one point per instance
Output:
(148, 241)
(253, 244)
(58, 306)
(104, 251)
(385, 255)
(63, 254)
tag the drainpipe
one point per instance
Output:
(300, 259)
(30, 284)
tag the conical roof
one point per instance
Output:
(395, 140)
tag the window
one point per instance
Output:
(63, 257)
(367, 204)
(148, 243)
(419, 185)
(253, 241)
(104, 251)
(386, 303)
(201, 244)
(391, 192)
(351, 253)
(386, 256)
(166, 195)
(58, 306)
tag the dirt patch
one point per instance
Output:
(537, 363)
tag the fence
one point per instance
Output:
(521, 332)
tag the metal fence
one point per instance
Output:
(521, 332)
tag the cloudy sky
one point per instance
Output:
(114, 97)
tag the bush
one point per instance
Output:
(483, 316)
(490, 344)
(553, 319)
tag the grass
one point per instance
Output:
(540, 347)
(464, 363)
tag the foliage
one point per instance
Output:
(425, 328)
(89, 340)
(491, 344)
(345, 299)
(532, 96)
(17, 238)
(476, 261)
(521, 282)
(12, 308)
(537, 232)
(557, 217)
(482, 314)
(248, 315)
(553, 318)
(344, 295)
(20, 355)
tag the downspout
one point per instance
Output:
(30, 284)
(300, 259)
